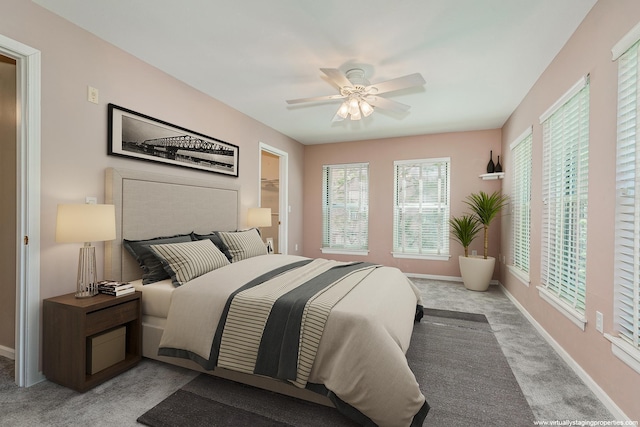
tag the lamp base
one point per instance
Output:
(87, 283)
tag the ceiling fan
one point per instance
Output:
(360, 96)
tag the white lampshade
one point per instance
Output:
(85, 223)
(259, 217)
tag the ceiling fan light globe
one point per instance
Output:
(343, 111)
(356, 116)
(353, 106)
(366, 108)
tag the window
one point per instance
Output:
(421, 208)
(626, 344)
(521, 205)
(565, 146)
(345, 208)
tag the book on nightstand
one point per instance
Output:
(111, 287)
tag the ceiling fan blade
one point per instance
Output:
(337, 77)
(387, 104)
(410, 80)
(315, 98)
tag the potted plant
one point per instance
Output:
(477, 271)
(464, 229)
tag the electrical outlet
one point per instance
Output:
(474, 253)
(91, 200)
(599, 322)
(296, 247)
(92, 94)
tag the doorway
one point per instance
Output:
(8, 208)
(273, 194)
(27, 212)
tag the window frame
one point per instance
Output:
(625, 339)
(565, 202)
(521, 171)
(329, 203)
(442, 209)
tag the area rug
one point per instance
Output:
(456, 359)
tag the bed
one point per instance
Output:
(352, 332)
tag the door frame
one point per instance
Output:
(283, 229)
(27, 341)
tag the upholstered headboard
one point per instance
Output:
(152, 205)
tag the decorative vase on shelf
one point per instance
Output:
(498, 167)
(491, 168)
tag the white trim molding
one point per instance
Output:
(27, 340)
(521, 137)
(625, 352)
(579, 320)
(7, 352)
(283, 237)
(577, 87)
(625, 42)
(431, 257)
(519, 274)
(334, 251)
(582, 374)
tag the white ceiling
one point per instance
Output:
(479, 57)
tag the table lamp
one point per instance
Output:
(259, 217)
(85, 224)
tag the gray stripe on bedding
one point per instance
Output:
(279, 348)
(215, 346)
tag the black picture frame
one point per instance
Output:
(138, 136)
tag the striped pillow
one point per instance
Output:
(243, 244)
(186, 261)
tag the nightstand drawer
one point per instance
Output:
(100, 320)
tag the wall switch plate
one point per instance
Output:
(599, 322)
(92, 94)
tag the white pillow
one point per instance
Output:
(243, 244)
(188, 260)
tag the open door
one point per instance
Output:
(273, 183)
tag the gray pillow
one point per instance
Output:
(215, 238)
(243, 244)
(188, 260)
(152, 269)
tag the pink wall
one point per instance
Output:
(74, 131)
(587, 52)
(469, 153)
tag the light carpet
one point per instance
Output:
(456, 359)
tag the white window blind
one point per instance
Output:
(345, 207)
(421, 208)
(521, 203)
(565, 135)
(627, 235)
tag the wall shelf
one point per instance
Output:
(490, 176)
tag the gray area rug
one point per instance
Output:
(457, 360)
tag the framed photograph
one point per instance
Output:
(135, 135)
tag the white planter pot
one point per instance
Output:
(476, 272)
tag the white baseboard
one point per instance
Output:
(584, 376)
(434, 277)
(7, 352)
(443, 278)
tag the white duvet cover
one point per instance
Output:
(361, 355)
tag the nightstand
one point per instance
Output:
(69, 326)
